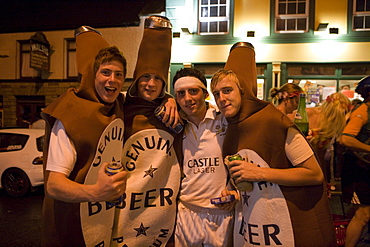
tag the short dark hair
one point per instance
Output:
(194, 72)
(108, 54)
(363, 87)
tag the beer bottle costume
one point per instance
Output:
(271, 214)
(147, 216)
(84, 118)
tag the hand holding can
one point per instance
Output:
(111, 169)
(244, 185)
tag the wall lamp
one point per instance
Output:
(185, 30)
(322, 26)
(333, 30)
(250, 33)
(176, 35)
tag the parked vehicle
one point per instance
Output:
(21, 160)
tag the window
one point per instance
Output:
(71, 58)
(12, 142)
(213, 17)
(361, 15)
(25, 60)
(291, 16)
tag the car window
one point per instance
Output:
(40, 143)
(12, 142)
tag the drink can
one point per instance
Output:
(159, 113)
(111, 169)
(244, 185)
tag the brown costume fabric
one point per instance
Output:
(259, 120)
(153, 57)
(156, 61)
(84, 118)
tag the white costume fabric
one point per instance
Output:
(200, 223)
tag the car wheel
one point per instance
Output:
(15, 182)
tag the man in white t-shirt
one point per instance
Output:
(75, 123)
(200, 223)
(288, 205)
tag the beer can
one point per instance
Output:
(111, 169)
(244, 185)
(159, 113)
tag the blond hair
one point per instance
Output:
(332, 119)
(224, 73)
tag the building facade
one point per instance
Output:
(321, 45)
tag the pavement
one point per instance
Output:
(342, 214)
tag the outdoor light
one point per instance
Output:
(176, 34)
(322, 27)
(250, 33)
(333, 30)
(185, 30)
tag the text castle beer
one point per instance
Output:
(301, 118)
(111, 169)
(244, 185)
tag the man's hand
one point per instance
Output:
(229, 205)
(171, 116)
(110, 187)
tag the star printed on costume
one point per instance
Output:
(150, 171)
(245, 197)
(141, 230)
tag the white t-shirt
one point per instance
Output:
(296, 147)
(204, 169)
(62, 153)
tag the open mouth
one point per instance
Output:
(190, 105)
(110, 89)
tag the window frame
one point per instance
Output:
(217, 19)
(68, 51)
(364, 14)
(295, 16)
(25, 72)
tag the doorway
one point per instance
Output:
(29, 109)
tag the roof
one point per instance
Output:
(47, 15)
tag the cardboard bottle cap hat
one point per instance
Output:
(88, 44)
(242, 62)
(154, 52)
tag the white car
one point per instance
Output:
(21, 160)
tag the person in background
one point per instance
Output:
(288, 205)
(345, 87)
(74, 125)
(355, 176)
(200, 223)
(147, 215)
(286, 98)
(327, 122)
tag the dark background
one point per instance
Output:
(41, 15)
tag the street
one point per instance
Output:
(21, 219)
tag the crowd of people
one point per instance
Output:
(169, 177)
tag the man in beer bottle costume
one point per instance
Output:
(147, 215)
(288, 205)
(75, 123)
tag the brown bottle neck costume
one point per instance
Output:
(260, 127)
(84, 117)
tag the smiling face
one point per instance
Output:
(228, 97)
(109, 80)
(191, 99)
(149, 86)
